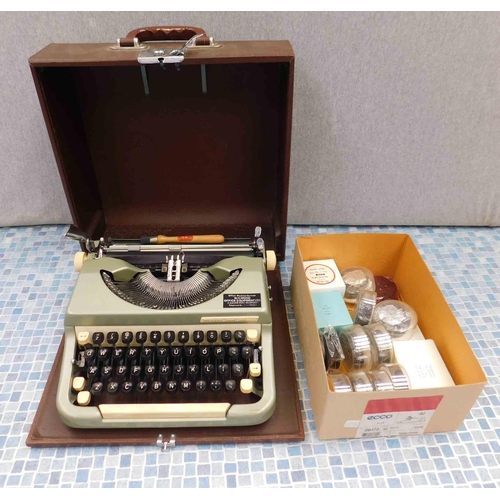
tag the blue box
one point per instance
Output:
(331, 310)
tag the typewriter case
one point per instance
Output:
(198, 147)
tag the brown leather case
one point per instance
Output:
(206, 150)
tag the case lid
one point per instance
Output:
(198, 147)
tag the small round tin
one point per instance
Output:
(360, 382)
(357, 348)
(398, 375)
(356, 279)
(382, 346)
(339, 382)
(398, 318)
(367, 300)
(386, 289)
(380, 380)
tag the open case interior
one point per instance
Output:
(199, 153)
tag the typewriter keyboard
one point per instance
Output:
(131, 365)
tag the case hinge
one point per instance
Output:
(165, 445)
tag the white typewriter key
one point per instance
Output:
(83, 338)
(83, 398)
(255, 369)
(246, 385)
(252, 335)
(78, 384)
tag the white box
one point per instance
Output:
(324, 276)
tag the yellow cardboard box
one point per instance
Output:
(347, 415)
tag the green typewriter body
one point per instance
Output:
(193, 352)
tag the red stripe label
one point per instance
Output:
(402, 404)
(184, 238)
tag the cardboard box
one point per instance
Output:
(347, 415)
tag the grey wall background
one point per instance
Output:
(396, 117)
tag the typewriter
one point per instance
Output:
(168, 334)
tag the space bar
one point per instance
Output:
(163, 410)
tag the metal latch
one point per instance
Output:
(165, 445)
(166, 56)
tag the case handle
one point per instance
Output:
(167, 33)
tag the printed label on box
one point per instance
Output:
(320, 274)
(397, 417)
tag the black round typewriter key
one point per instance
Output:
(118, 353)
(165, 370)
(193, 370)
(230, 385)
(169, 336)
(179, 370)
(226, 335)
(150, 370)
(247, 352)
(198, 336)
(183, 337)
(171, 386)
(233, 352)
(112, 387)
(237, 370)
(112, 338)
(132, 353)
(190, 351)
(185, 385)
(176, 352)
(146, 353)
(135, 371)
(212, 336)
(156, 386)
(141, 337)
(239, 336)
(208, 369)
(92, 371)
(97, 338)
(216, 385)
(219, 352)
(155, 337)
(223, 370)
(127, 337)
(103, 354)
(142, 386)
(127, 387)
(205, 352)
(201, 385)
(96, 388)
(121, 371)
(162, 352)
(106, 371)
(89, 353)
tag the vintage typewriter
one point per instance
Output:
(168, 335)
